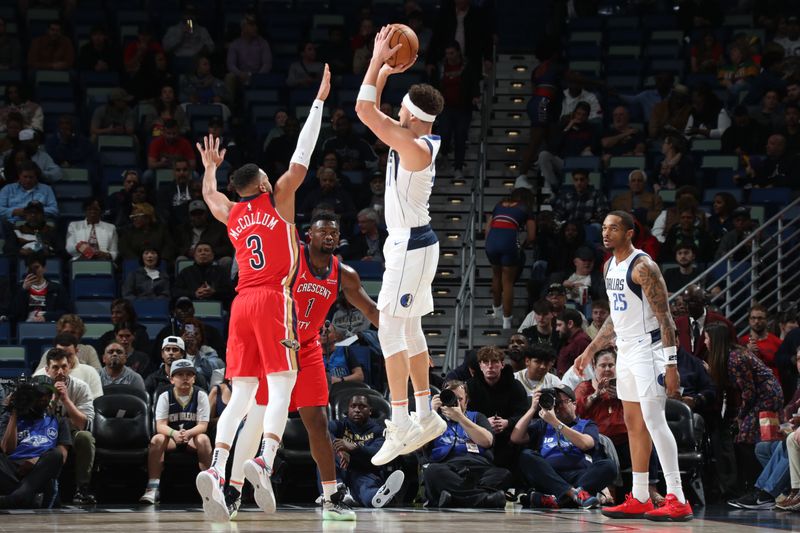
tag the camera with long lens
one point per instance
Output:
(547, 400)
(30, 399)
(448, 398)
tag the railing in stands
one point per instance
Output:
(763, 268)
(465, 300)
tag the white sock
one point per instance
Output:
(328, 489)
(220, 460)
(400, 413)
(674, 485)
(270, 449)
(641, 486)
(507, 322)
(422, 400)
(498, 310)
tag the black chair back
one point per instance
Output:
(121, 422)
(681, 423)
(111, 390)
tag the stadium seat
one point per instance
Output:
(690, 459)
(370, 270)
(121, 429)
(587, 162)
(35, 336)
(93, 309)
(13, 362)
(78, 175)
(774, 195)
(152, 308)
(720, 161)
(130, 390)
(94, 287)
(207, 309)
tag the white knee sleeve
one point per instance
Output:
(415, 337)
(392, 334)
(280, 393)
(664, 441)
(248, 442)
(243, 396)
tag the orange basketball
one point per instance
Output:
(405, 36)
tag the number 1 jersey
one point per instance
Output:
(313, 297)
(266, 245)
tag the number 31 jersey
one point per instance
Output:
(266, 245)
(630, 310)
(313, 297)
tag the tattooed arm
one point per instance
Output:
(604, 338)
(647, 274)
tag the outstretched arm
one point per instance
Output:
(212, 157)
(291, 180)
(604, 338)
(356, 295)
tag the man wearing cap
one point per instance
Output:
(556, 294)
(29, 140)
(34, 236)
(202, 228)
(172, 349)
(114, 118)
(15, 196)
(145, 232)
(182, 415)
(182, 310)
(204, 280)
(564, 464)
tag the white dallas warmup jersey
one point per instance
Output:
(630, 310)
(407, 193)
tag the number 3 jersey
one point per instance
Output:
(266, 245)
(313, 297)
(630, 310)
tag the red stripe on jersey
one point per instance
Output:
(313, 297)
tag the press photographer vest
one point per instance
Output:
(564, 454)
(454, 440)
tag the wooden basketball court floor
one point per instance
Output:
(715, 519)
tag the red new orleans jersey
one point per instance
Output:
(313, 297)
(266, 245)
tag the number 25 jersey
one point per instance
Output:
(630, 311)
(313, 297)
(266, 245)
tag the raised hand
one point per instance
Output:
(325, 84)
(383, 50)
(210, 152)
(386, 70)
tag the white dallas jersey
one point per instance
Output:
(630, 310)
(407, 193)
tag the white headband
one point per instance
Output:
(416, 111)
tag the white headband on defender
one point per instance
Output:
(416, 111)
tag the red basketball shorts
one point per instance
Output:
(311, 388)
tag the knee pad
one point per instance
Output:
(392, 335)
(415, 337)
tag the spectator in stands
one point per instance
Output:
(542, 330)
(736, 74)
(563, 463)
(774, 170)
(791, 129)
(86, 373)
(165, 107)
(67, 147)
(574, 137)
(759, 340)
(330, 192)
(556, 250)
(720, 222)
(734, 368)
(581, 202)
(622, 139)
(115, 370)
(18, 101)
(201, 87)
(353, 151)
(600, 312)
(785, 322)
(39, 299)
(34, 445)
(368, 244)
(35, 236)
(791, 40)
(218, 398)
(51, 51)
(356, 438)
(202, 228)
(137, 360)
(556, 294)
(770, 114)
(792, 91)
(745, 136)
(139, 55)
(569, 325)
(70, 324)
(539, 361)
(29, 141)
(649, 98)
(742, 227)
(575, 93)
(204, 280)
(692, 326)
(99, 54)
(203, 357)
(114, 118)
(119, 204)
(182, 415)
(187, 38)
(73, 400)
(10, 50)
(363, 53)
(670, 115)
(644, 204)
(173, 198)
(677, 168)
(122, 312)
(517, 345)
(708, 119)
(340, 363)
(278, 153)
(336, 51)
(307, 71)
(678, 277)
(461, 470)
(144, 232)
(8, 145)
(172, 349)
(499, 396)
(249, 54)
(584, 284)
(167, 149)
(91, 238)
(182, 310)
(706, 54)
(687, 197)
(686, 232)
(457, 79)
(469, 25)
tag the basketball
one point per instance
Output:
(405, 36)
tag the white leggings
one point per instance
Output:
(398, 334)
(243, 395)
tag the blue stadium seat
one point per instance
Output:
(370, 270)
(72, 191)
(94, 288)
(709, 194)
(152, 308)
(5, 332)
(35, 336)
(96, 310)
(13, 361)
(589, 162)
(153, 328)
(775, 195)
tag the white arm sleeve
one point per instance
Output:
(307, 139)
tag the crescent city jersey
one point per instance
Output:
(313, 297)
(630, 311)
(407, 193)
(266, 245)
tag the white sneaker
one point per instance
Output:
(430, 426)
(209, 485)
(150, 496)
(507, 322)
(398, 441)
(257, 473)
(389, 489)
(522, 182)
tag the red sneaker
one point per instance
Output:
(631, 508)
(671, 511)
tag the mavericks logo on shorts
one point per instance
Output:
(406, 300)
(291, 344)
